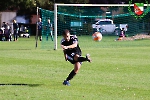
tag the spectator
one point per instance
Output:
(4, 25)
(7, 33)
(15, 29)
(1, 35)
(39, 23)
(122, 34)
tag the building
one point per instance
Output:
(7, 17)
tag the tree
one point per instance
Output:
(72, 1)
(17, 5)
(29, 6)
(25, 6)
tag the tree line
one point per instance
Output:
(29, 6)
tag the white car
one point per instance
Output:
(106, 26)
(25, 35)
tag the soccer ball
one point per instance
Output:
(97, 36)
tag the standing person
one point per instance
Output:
(15, 29)
(40, 28)
(7, 33)
(4, 25)
(49, 29)
(72, 53)
(1, 34)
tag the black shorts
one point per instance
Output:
(70, 58)
(39, 32)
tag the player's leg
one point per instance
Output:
(82, 59)
(77, 66)
(51, 34)
(40, 34)
(46, 35)
(14, 36)
(72, 73)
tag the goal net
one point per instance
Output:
(47, 28)
(109, 19)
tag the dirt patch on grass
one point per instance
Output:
(136, 37)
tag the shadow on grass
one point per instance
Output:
(20, 84)
(15, 49)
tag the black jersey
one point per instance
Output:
(15, 26)
(73, 39)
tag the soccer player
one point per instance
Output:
(72, 53)
(49, 28)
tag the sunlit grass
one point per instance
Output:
(119, 71)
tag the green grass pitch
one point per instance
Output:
(120, 71)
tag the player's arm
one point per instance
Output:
(73, 45)
(65, 55)
(70, 46)
(64, 50)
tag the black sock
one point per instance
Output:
(71, 75)
(81, 59)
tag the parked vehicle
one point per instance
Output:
(24, 31)
(106, 26)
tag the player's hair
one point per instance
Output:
(65, 32)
